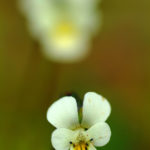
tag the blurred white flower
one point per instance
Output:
(73, 135)
(63, 27)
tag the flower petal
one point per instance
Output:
(91, 147)
(63, 113)
(61, 138)
(95, 109)
(99, 134)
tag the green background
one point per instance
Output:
(118, 67)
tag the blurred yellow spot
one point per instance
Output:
(65, 29)
(64, 35)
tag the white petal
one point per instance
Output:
(91, 147)
(100, 134)
(61, 138)
(95, 109)
(63, 113)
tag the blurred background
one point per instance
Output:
(118, 67)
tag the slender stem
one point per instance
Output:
(53, 84)
(29, 71)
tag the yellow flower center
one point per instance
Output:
(81, 143)
(81, 146)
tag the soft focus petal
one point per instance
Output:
(40, 14)
(79, 4)
(61, 138)
(99, 134)
(45, 15)
(66, 49)
(95, 109)
(63, 113)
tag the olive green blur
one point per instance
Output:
(118, 67)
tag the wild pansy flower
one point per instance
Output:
(71, 134)
(64, 28)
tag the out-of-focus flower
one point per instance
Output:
(63, 27)
(73, 135)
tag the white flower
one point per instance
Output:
(63, 27)
(73, 135)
